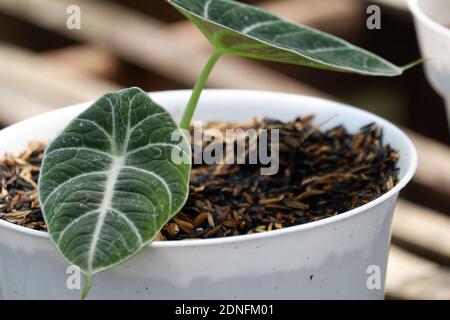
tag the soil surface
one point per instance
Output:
(322, 173)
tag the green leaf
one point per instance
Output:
(109, 181)
(243, 30)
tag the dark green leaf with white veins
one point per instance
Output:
(243, 30)
(109, 181)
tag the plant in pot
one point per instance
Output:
(121, 167)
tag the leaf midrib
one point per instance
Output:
(110, 184)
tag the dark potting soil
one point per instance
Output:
(321, 174)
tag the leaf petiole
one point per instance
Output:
(197, 91)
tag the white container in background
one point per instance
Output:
(333, 258)
(432, 19)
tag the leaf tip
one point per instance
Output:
(414, 63)
(87, 286)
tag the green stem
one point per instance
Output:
(197, 91)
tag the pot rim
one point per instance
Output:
(417, 11)
(274, 233)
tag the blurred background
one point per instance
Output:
(44, 65)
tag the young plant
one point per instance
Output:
(109, 181)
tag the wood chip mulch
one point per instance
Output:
(322, 173)
(18, 177)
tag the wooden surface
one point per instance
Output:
(123, 37)
(423, 231)
(30, 85)
(397, 4)
(434, 163)
(432, 179)
(91, 59)
(411, 277)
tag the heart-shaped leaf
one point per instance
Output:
(243, 30)
(110, 181)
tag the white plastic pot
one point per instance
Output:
(432, 19)
(327, 259)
